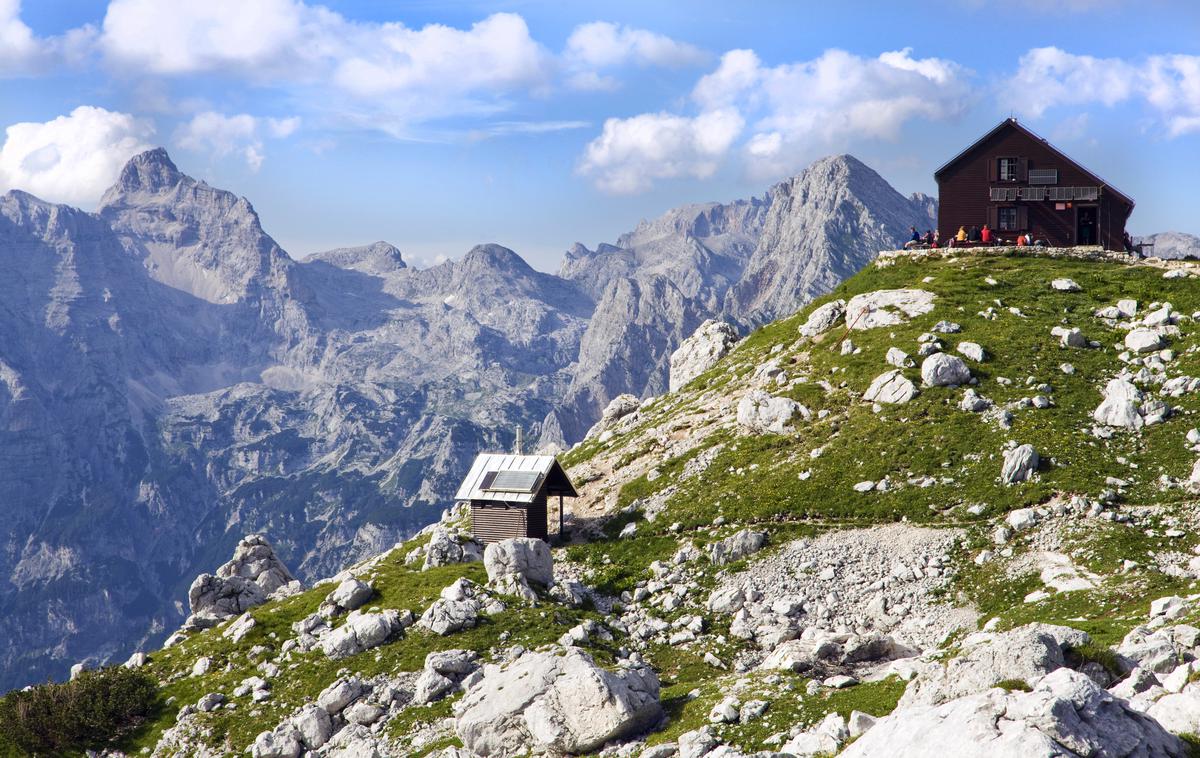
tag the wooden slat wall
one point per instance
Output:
(494, 522)
(963, 193)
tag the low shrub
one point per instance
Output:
(94, 710)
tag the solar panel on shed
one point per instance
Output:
(513, 481)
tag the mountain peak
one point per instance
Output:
(151, 171)
(497, 257)
(376, 258)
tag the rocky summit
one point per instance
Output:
(172, 380)
(785, 555)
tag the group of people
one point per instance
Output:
(974, 236)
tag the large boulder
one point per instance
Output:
(518, 566)
(1120, 405)
(1066, 715)
(548, 703)
(891, 387)
(736, 547)
(446, 548)
(1019, 464)
(620, 407)
(887, 307)
(350, 594)
(823, 318)
(759, 412)
(944, 370)
(1025, 653)
(1143, 340)
(700, 352)
(457, 608)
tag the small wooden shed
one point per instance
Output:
(509, 495)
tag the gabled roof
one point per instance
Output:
(514, 478)
(1014, 124)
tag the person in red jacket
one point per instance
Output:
(985, 234)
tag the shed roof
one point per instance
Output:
(514, 478)
(1012, 123)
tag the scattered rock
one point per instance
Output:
(1019, 464)
(891, 387)
(736, 546)
(887, 307)
(1143, 340)
(972, 350)
(519, 566)
(944, 370)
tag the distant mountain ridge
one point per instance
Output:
(170, 379)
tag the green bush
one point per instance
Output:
(93, 711)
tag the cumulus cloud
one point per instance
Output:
(794, 109)
(1048, 77)
(22, 52)
(429, 72)
(601, 45)
(631, 153)
(831, 101)
(222, 135)
(74, 158)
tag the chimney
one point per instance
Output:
(518, 444)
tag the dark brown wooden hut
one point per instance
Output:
(1015, 181)
(509, 495)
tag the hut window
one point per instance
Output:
(1007, 219)
(1008, 170)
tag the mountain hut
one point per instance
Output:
(509, 494)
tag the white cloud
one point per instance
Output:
(1048, 77)
(600, 44)
(71, 159)
(496, 54)
(23, 53)
(632, 153)
(794, 110)
(418, 74)
(222, 135)
(831, 102)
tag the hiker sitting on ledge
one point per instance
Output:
(985, 235)
(973, 236)
(914, 240)
(962, 234)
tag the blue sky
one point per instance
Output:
(437, 126)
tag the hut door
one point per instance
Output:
(1085, 223)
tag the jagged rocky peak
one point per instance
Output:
(1172, 245)
(152, 171)
(378, 258)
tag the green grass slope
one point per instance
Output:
(801, 483)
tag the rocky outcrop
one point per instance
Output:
(548, 702)
(1065, 714)
(944, 370)
(700, 352)
(245, 581)
(1025, 653)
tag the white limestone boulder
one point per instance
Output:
(1066, 715)
(887, 307)
(944, 370)
(550, 703)
(891, 387)
(823, 318)
(761, 413)
(700, 352)
(1019, 464)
